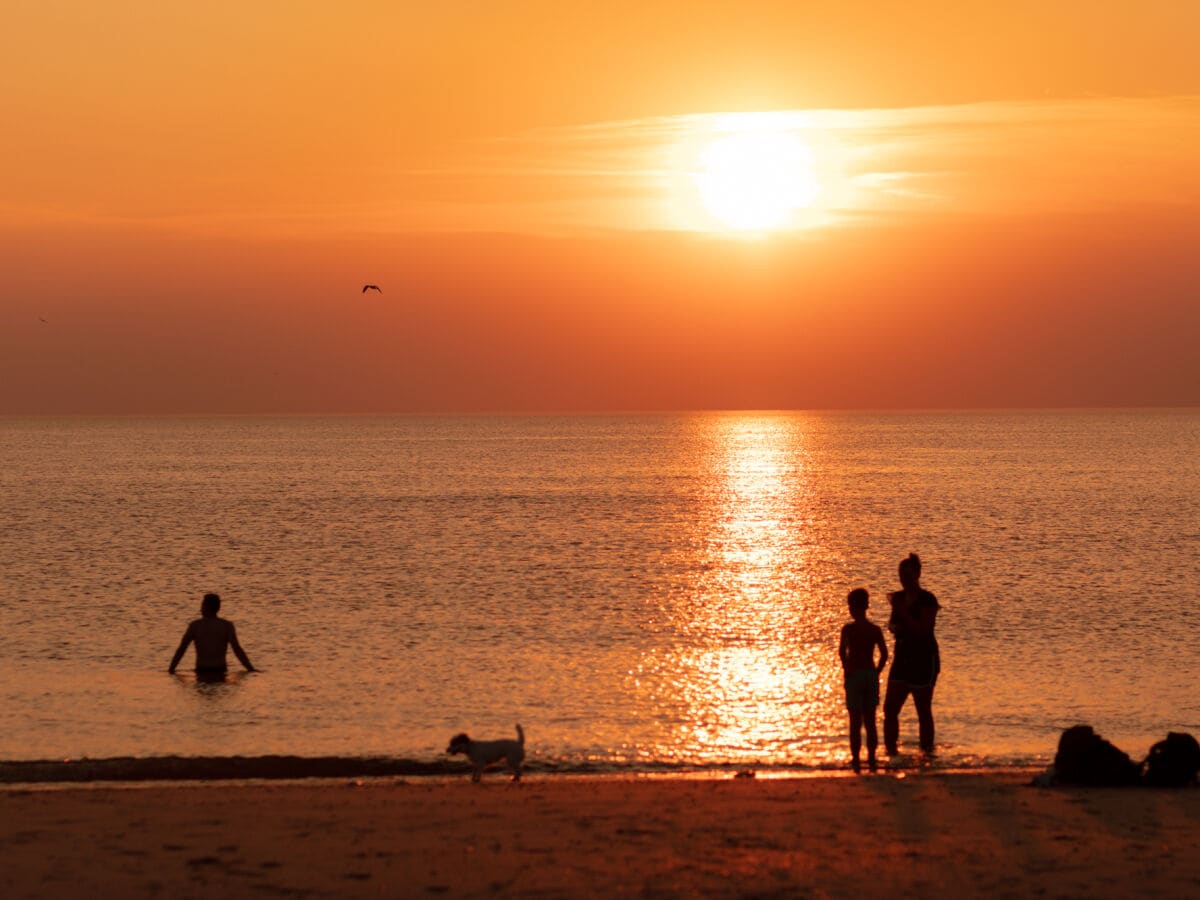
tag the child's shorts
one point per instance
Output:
(862, 690)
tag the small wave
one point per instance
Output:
(239, 768)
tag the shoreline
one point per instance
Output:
(267, 768)
(1022, 775)
(936, 834)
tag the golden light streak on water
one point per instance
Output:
(750, 678)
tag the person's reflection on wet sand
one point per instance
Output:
(212, 635)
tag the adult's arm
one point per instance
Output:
(918, 619)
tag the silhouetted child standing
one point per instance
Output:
(861, 673)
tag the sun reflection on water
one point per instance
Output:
(751, 668)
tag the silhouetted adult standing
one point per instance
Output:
(915, 660)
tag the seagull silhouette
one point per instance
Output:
(372, 287)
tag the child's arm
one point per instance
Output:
(883, 653)
(188, 637)
(844, 647)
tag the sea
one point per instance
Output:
(644, 593)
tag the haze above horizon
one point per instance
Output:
(634, 207)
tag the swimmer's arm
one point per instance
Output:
(238, 651)
(188, 637)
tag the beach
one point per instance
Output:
(926, 834)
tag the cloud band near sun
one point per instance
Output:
(745, 173)
(839, 166)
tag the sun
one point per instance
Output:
(755, 179)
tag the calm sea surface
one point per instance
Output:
(635, 591)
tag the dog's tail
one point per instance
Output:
(520, 736)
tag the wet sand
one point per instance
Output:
(923, 835)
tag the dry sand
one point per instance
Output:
(924, 835)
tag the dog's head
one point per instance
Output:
(459, 744)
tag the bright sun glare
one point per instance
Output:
(755, 178)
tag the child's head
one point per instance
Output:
(858, 600)
(210, 605)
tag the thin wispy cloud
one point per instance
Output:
(971, 159)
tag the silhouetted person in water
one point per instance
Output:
(211, 635)
(916, 662)
(861, 675)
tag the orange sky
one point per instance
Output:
(191, 198)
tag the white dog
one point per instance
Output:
(487, 753)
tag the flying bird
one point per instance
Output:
(372, 287)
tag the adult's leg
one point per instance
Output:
(923, 701)
(893, 702)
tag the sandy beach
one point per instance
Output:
(922, 835)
